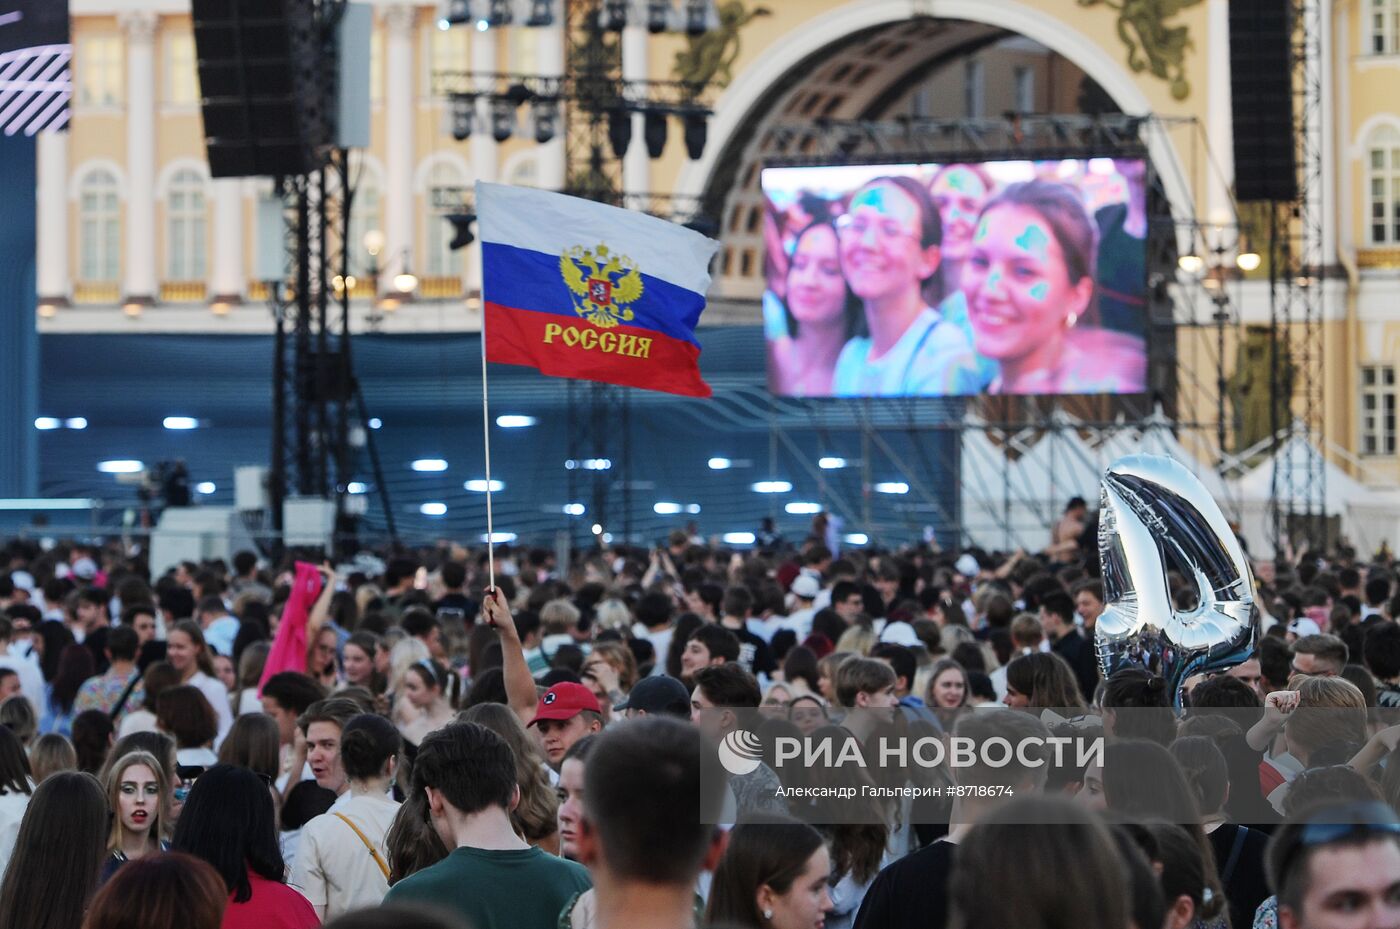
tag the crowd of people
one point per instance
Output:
(958, 279)
(395, 742)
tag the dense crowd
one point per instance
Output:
(395, 742)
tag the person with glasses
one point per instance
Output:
(890, 246)
(1337, 867)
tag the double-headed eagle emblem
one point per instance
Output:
(602, 284)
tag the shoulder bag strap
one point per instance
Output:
(126, 694)
(374, 852)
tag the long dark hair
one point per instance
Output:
(1045, 679)
(853, 311)
(14, 764)
(75, 665)
(228, 821)
(767, 850)
(58, 854)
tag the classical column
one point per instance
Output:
(142, 285)
(399, 108)
(636, 166)
(550, 55)
(1220, 134)
(484, 149)
(53, 271)
(226, 283)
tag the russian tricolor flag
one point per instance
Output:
(585, 290)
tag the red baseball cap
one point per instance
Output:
(565, 701)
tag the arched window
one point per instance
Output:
(444, 180)
(185, 251)
(1385, 26)
(1383, 186)
(366, 213)
(99, 225)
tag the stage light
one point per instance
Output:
(772, 487)
(374, 242)
(667, 509)
(1191, 264)
(458, 11)
(831, 464)
(856, 538)
(720, 464)
(433, 509)
(700, 17)
(499, 538)
(480, 487)
(803, 508)
(406, 283)
(500, 13)
(738, 538)
(658, 15)
(697, 133)
(463, 117)
(375, 422)
(597, 529)
(502, 118)
(619, 130)
(654, 132)
(121, 466)
(355, 487)
(180, 422)
(588, 464)
(892, 487)
(429, 464)
(514, 421)
(47, 422)
(614, 16)
(75, 422)
(544, 113)
(573, 509)
(462, 234)
(482, 25)
(443, 25)
(1248, 261)
(205, 487)
(541, 14)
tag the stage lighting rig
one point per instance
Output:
(659, 13)
(620, 130)
(700, 17)
(696, 133)
(462, 234)
(613, 16)
(654, 131)
(458, 12)
(500, 13)
(463, 116)
(541, 14)
(544, 113)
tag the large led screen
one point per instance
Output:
(1000, 277)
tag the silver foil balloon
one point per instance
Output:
(1157, 518)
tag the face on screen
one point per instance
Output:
(958, 193)
(881, 250)
(815, 288)
(1018, 291)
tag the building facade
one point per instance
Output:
(135, 237)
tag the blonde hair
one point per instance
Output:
(558, 617)
(857, 640)
(612, 613)
(406, 653)
(1344, 719)
(620, 658)
(51, 754)
(159, 817)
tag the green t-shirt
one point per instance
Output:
(522, 889)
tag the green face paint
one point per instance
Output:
(958, 180)
(1034, 240)
(984, 229)
(871, 197)
(1040, 291)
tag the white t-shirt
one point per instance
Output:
(12, 807)
(31, 681)
(333, 869)
(932, 358)
(217, 695)
(660, 642)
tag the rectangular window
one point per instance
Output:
(1383, 193)
(1385, 27)
(1025, 89)
(1378, 410)
(98, 60)
(181, 71)
(974, 89)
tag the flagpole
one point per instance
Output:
(486, 443)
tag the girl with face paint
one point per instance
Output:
(1029, 288)
(821, 316)
(959, 192)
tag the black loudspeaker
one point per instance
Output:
(1261, 88)
(265, 84)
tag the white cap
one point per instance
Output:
(900, 633)
(1304, 626)
(23, 580)
(85, 568)
(805, 586)
(967, 565)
